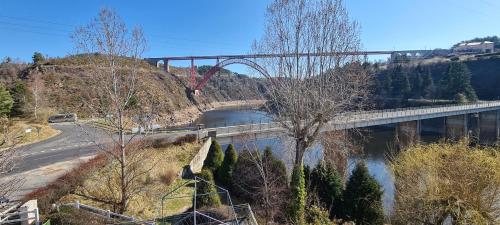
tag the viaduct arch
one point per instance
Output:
(210, 73)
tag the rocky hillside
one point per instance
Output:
(66, 86)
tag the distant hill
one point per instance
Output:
(67, 85)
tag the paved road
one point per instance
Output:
(43, 162)
(73, 142)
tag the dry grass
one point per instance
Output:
(167, 165)
(39, 132)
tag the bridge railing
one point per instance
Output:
(434, 107)
(356, 116)
(412, 111)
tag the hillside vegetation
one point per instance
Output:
(471, 78)
(66, 85)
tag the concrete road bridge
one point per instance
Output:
(478, 119)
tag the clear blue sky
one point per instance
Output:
(193, 27)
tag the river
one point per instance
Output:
(376, 144)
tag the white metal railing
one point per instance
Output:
(363, 116)
(106, 213)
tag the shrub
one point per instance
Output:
(318, 216)
(165, 142)
(363, 198)
(225, 173)
(161, 143)
(168, 177)
(188, 138)
(149, 179)
(214, 158)
(208, 191)
(298, 191)
(38, 58)
(461, 183)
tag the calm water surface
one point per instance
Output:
(376, 142)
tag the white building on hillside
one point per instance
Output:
(474, 48)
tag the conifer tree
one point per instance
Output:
(400, 83)
(20, 95)
(326, 182)
(274, 166)
(6, 101)
(225, 173)
(457, 81)
(214, 157)
(417, 82)
(363, 198)
(207, 195)
(428, 85)
(385, 84)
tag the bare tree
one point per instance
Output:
(338, 146)
(36, 89)
(106, 184)
(262, 178)
(115, 55)
(313, 81)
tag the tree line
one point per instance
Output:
(262, 180)
(20, 97)
(400, 82)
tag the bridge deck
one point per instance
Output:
(368, 118)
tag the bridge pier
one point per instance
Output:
(497, 122)
(432, 130)
(488, 129)
(456, 127)
(166, 66)
(407, 134)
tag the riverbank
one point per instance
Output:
(190, 114)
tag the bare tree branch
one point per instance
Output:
(115, 55)
(308, 91)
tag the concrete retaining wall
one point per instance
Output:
(196, 163)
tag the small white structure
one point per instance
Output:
(474, 47)
(29, 212)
